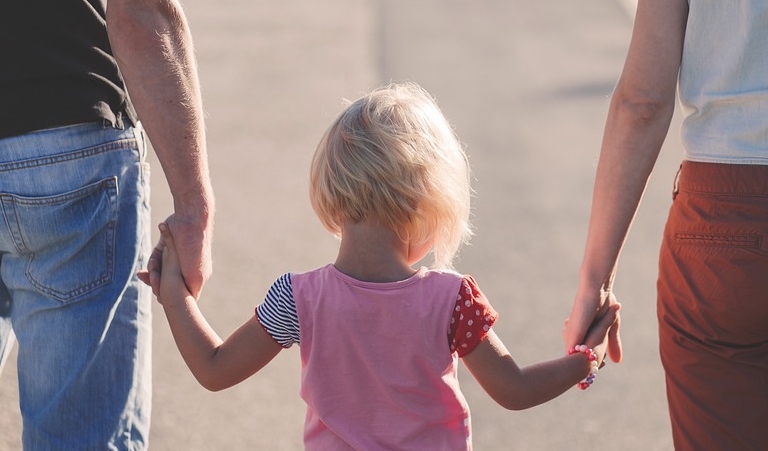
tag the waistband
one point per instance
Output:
(61, 140)
(719, 178)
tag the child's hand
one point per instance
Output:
(151, 275)
(597, 335)
(170, 284)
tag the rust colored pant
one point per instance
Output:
(713, 308)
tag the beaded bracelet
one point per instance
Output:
(593, 366)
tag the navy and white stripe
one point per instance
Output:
(278, 312)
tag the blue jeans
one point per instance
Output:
(74, 230)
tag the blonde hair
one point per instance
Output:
(392, 157)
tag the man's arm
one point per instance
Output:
(153, 47)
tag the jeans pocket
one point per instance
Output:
(68, 239)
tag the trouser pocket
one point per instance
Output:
(68, 240)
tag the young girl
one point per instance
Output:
(380, 340)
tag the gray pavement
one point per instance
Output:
(526, 85)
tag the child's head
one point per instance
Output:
(391, 157)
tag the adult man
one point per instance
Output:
(74, 203)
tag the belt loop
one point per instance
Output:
(116, 124)
(119, 121)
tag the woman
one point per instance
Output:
(713, 315)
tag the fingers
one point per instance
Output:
(170, 257)
(165, 236)
(143, 276)
(154, 282)
(604, 322)
(577, 324)
(151, 275)
(172, 263)
(598, 331)
(615, 351)
(614, 339)
(192, 245)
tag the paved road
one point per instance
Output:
(526, 85)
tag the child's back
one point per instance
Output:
(377, 371)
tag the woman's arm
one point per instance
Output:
(639, 115)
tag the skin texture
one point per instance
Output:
(368, 252)
(638, 120)
(153, 47)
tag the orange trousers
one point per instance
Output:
(713, 308)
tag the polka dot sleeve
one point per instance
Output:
(472, 318)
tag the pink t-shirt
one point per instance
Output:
(377, 370)
(379, 360)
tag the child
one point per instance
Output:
(380, 340)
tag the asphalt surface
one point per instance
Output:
(526, 86)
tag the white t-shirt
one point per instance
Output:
(723, 83)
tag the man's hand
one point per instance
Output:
(193, 246)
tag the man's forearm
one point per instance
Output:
(153, 47)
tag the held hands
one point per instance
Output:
(585, 315)
(598, 335)
(595, 344)
(164, 273)
(193, 248)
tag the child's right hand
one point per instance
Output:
(597, 335)
(171, 283)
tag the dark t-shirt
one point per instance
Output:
(56, 66)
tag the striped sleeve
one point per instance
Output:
(277, 314)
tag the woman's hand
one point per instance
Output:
(584, 315)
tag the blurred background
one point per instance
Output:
(526, 86)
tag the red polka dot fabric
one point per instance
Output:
(472, 318)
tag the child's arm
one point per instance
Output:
(518, 388)
(216, 364)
